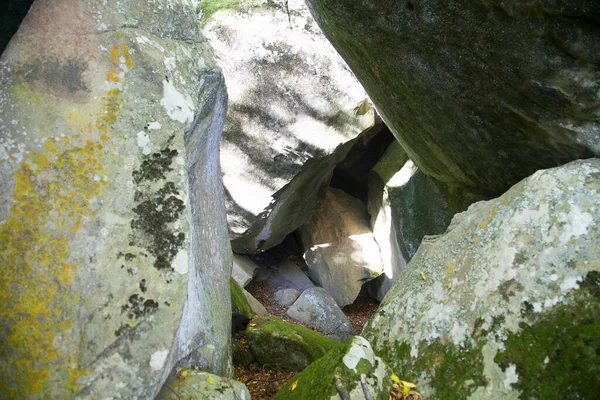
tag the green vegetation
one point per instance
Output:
(275, 342)
(239, 304)
(557, 354)
(317, 381)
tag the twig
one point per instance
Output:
(174, 392)
(338, 385)
(365, 387)
(265, 380)
(233, 390)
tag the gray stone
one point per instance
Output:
(113, 234)
(535, 100)
(191, 384)
(405, 205)
(288, 270)
(341, 252)
(286, 297)
(243, 269)
(316, 308)
(348, 361)
(293, 114)
(254, 304)
(512, 286)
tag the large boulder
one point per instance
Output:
(346, 364)
(341, 252)
(479, 93)
(505, 304)
(294, 110)
(275, 342)
(292, 273)
(191, 384)
(113, 238)
(316, 308)
(405, 205)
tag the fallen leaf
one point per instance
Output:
(395, 378)
(294, 385)
(211, 380)
(184, 373)
(252, 324)
(423, 276)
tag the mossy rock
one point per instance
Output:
(347, 361)
(239, 303)
(506, 303)
(275, 342)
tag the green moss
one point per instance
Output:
(317, 381)
(284, 344)
(557, 353)
(239, 303)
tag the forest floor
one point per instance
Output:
(262, 382)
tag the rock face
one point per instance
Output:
(243, 269)
(196, 385)
(288, 270)
(292, 103)
(275, 342)
(513, 287)
(341, 252)
(286, 297)
(534, 104)
(316, 308)
(405, 205)
(111, 200)
(348, 361)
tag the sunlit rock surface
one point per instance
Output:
(113, 241)
(405, 205)
(479, 93)
(341, 252)
(506, 303)
(293, 102)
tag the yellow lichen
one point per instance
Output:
(52, 194)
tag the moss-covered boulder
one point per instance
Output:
(346, 363)
(113, 243)
(293, 115)
(191, 384)
(479, 93)
(506, 303)
(239, 302)
(275, 342)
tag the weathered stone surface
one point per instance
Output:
(316, 308)
(534, 103)
(13, 12)
(288, 270)
(405, 205)
(348, 362)
(112, 236)
(281, 344)
(255, 305)
(197, 385)
(286, 297)
(292, 103)
(341, 252)
(506, 303)
(243, 269)
(239, 301)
